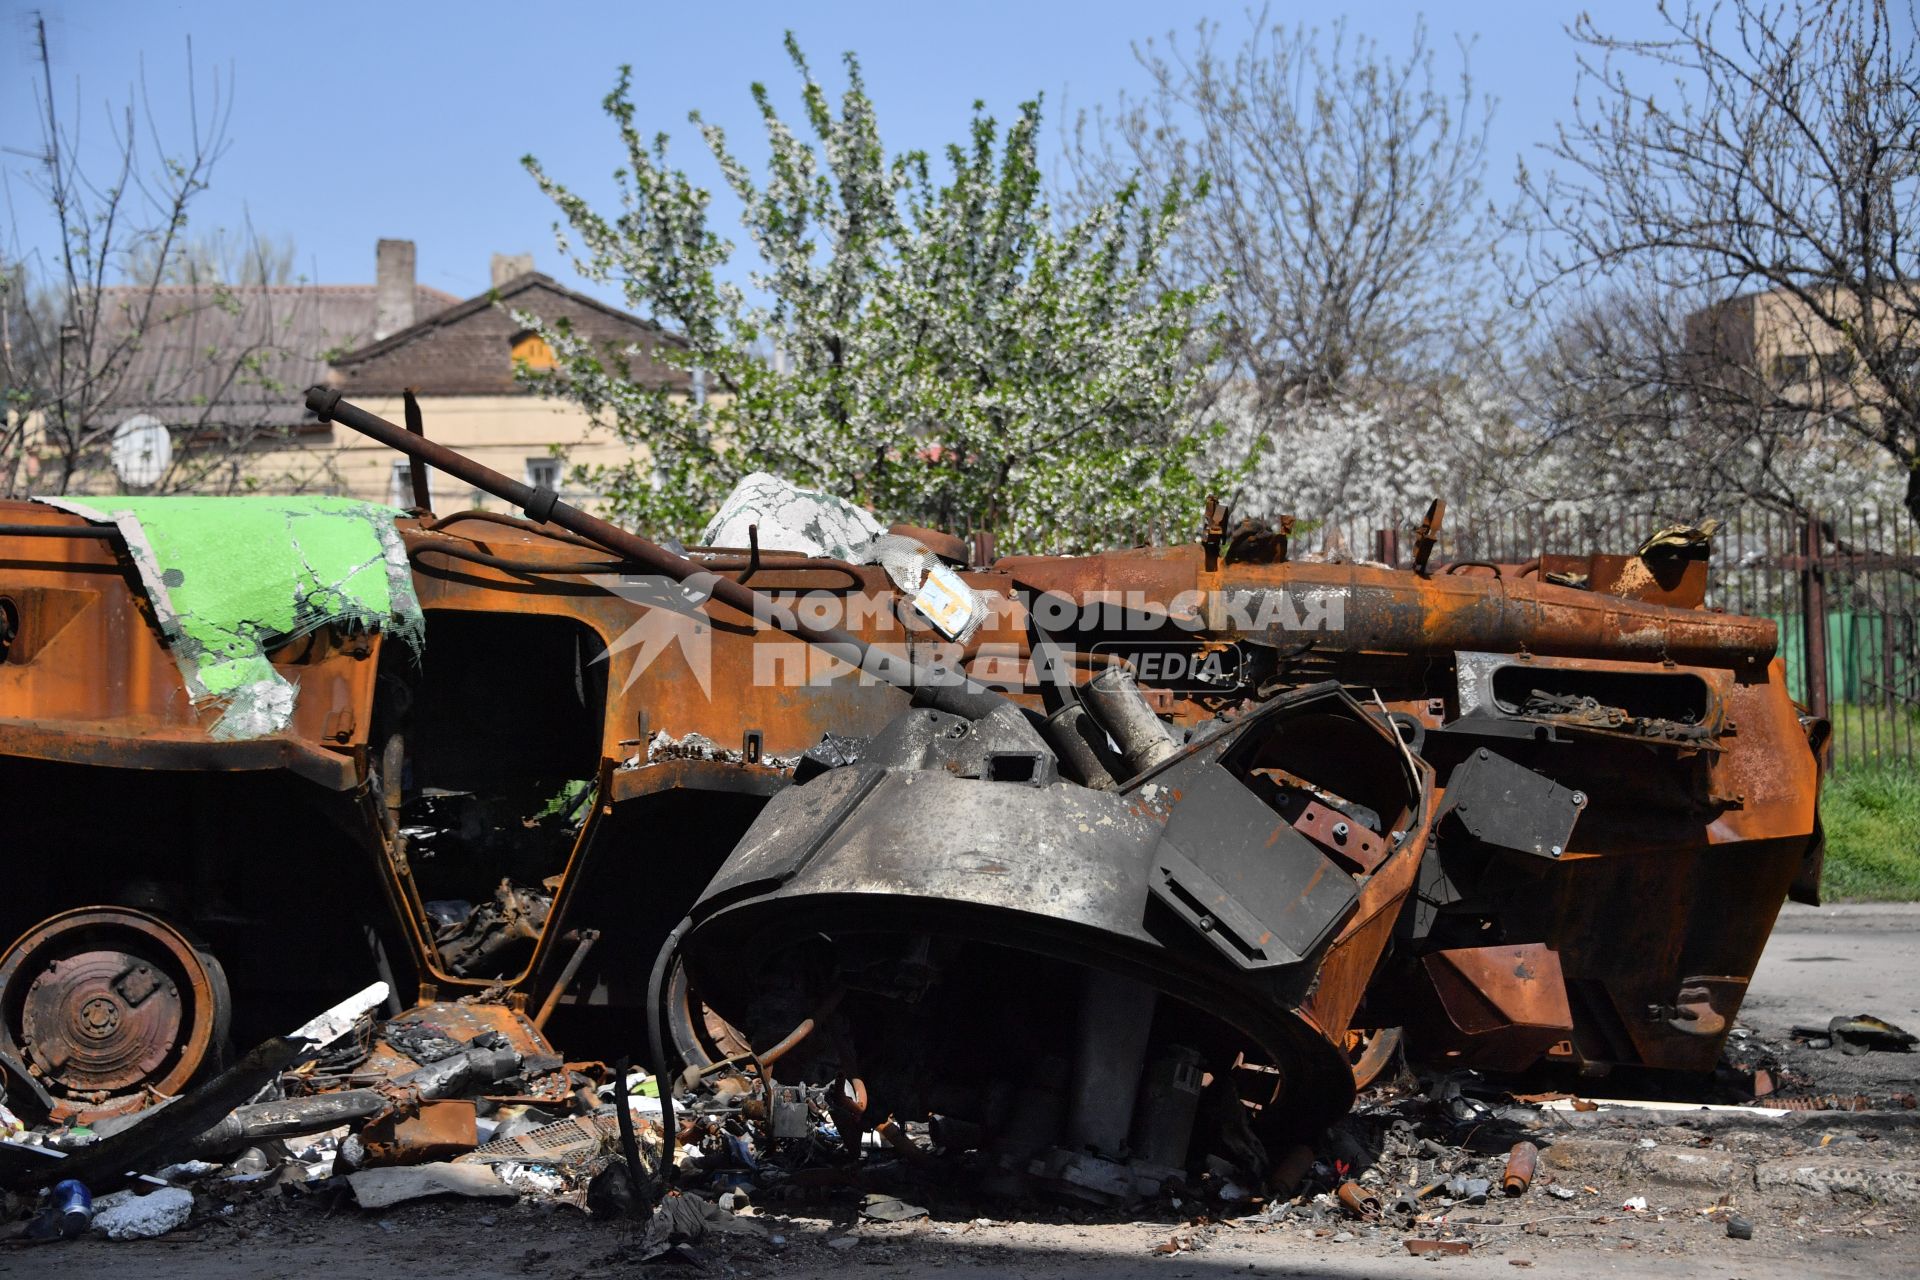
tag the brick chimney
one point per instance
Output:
(393, 287)
(510, 266)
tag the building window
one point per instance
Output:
(400, 486)
(1792, 369)
(544, 473)
(530, 351)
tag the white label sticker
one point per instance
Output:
(945, 600)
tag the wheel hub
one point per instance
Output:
(100, 1020)
(108, 1000)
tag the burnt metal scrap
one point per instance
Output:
(1139, 876)
(957, 919)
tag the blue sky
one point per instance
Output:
(354, 121)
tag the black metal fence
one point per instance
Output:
(1844, 588)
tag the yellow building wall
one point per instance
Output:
(506, 433)
(1790, 355)
(1785, 327)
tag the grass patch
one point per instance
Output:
(1872, 819)
(1868, 736)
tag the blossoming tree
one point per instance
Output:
(928, 340)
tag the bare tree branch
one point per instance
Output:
(1774, 184)
(1346, 217)
(127, 312)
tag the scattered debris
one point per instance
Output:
(1521, 1163)
(169, 1132)
(883, 1208)
(1184, 1240)
(378, 1188)
(1763, 1111)
(130, 1215)
(1861, 1033)
(1841, 1102)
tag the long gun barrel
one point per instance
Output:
(944, 689)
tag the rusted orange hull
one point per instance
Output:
(1629, 945)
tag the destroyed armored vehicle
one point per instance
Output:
(1074, 854)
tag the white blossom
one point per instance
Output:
(938, 349)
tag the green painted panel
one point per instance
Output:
(232, 578)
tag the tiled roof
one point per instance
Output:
(239, 355)
(466, 349)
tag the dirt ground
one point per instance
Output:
(1826, 1194)
(1796, 1231)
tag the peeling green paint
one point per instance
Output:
(231, 579)
(570, 803)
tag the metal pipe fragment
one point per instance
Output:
(1114, 700)
(287, 1118)
(1522, 1161)
(585, 944)
(1345, 609)
(806, 1028)
(1358, 1201)
(1081, 745)
(453, 1073)
(292, 1117)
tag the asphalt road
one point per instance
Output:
(1827, 961)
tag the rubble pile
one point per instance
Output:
(466, 1100)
